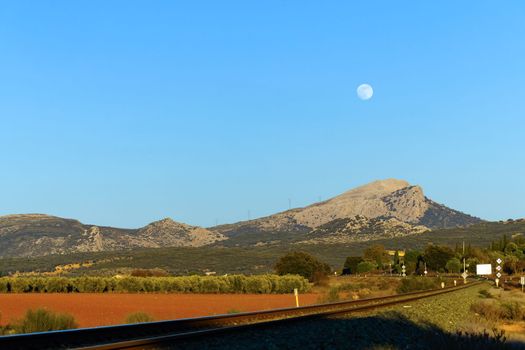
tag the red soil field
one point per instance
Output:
(92, 310)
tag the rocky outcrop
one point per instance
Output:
(361, 228)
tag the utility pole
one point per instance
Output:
(289, 203)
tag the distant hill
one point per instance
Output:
(378, 210)
(38, 234)
(260, 259)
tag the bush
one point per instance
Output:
(129, 285)
(139, 317)
(484, 293)
(42, 320)
(365, 266)
(56, 285)
(453, 265)
(512, 311)
(493, 311)
(414, 284)
(332, 296)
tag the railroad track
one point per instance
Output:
(156, 334)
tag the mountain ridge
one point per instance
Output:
(380, 209)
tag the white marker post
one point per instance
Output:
(522, 282)
(498, 274)
(296, 293)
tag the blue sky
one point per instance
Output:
(124, 112)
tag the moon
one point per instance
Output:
(365, 92)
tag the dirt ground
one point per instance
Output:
(105, 309)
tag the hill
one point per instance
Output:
(185, 260)
(379, 210)
(405, 206)
(38, 234)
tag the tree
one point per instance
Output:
(453, 265)
(351, 263)
(365, 266)
(437, 257)
(378, 254)
(304, 264)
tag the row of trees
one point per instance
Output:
(440, 258)
(189, 284)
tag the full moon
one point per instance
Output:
(365, 92)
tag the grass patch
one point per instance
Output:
(233, 311)
(139, 317)
(484, 293)
(413, 284)
(497, 311)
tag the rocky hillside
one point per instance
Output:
(359, 229)
(383, 200)
(37, 234)
(381, 209)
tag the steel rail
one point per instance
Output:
(144, 335)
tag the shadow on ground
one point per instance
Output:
(391, 331)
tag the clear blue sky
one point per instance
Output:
(124, 112)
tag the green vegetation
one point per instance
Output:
(331, 296)
(365, 266)
(303, 264)
(139, 317)
(414, 284)
(441, 258)
(233, 311)
(262, 284)
(225, 257)
(41, 320)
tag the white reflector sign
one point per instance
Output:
(484, 269)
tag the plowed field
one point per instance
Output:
(105, 309)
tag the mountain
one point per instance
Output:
(38, 234)
(379, 210)
(389, 199)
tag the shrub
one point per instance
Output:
(56, 285)
(413, 284)
(453, 265)
(484, 293)
(258, 284)
(332, 296)
(129, 285)
(90, 284)
(365, 266)
(20, 285)
(42, 320)
(490, 311)
(512, 311)
(494, 311)
(138, 317)
(4, 285)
